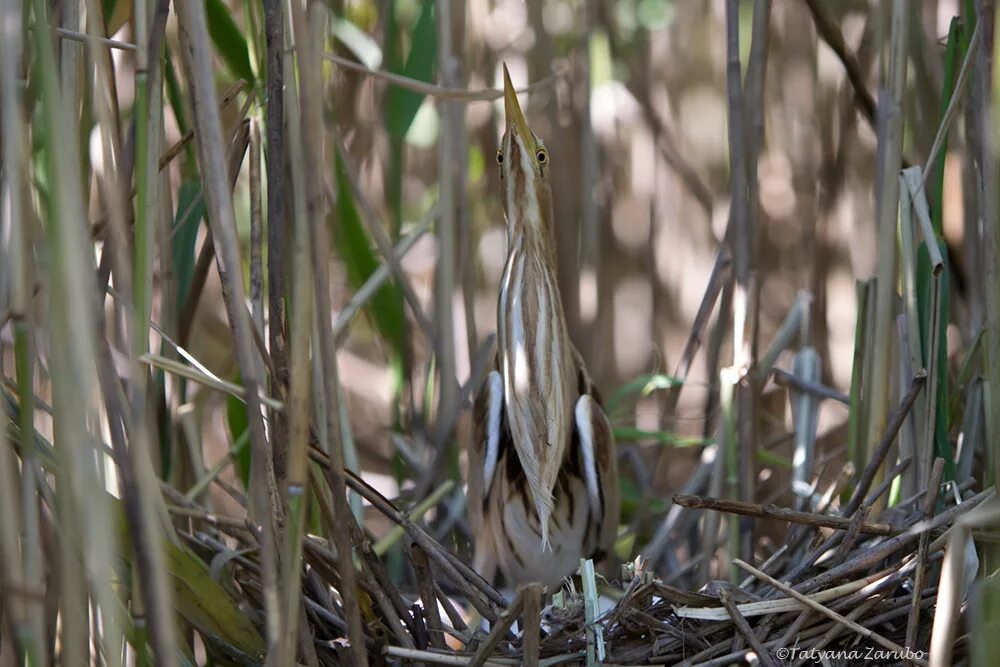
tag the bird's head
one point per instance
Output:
(524, 169)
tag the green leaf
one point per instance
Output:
(207, 606)
(402, 104)
(177, 106)
(640, 387)
(190, 211)
(633, 500)
(970, 17)
(942, 447)
(108, 6)
(229, 40)
(239, 431)
(770, 458)
(386, 307)
(951, 58)
(632, 434)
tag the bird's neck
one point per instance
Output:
(537, 359)
(537, 364)
(534, 236)
(530, 308)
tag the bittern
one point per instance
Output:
(543, 478)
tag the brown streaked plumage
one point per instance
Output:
(543, 479)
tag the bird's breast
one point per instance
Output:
(514, 523)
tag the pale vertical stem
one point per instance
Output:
(716, 488)
(145, 179)
(855, 418)
(749, 389)
(11, 563)
(222, 221)
(467, 250)
(261, 468)
(464, 254)
(744, 300)
(990, 206)
(589, 213)
(81, 500)
(150, 583)
(300, 386)
(908, 270)
(308, 35)
(17, 208)
(951, 594)
(753, 103)
(890, 154)
(69, 54)
(444, 282)
(143, 506)
(728, 384)
(740, 237)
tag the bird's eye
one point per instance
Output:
(499, 157)
(541, 156)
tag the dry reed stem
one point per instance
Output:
(783, 378)
(425, 585)
(927, 510)
(499, 629)
(486, 600)
(779, 605)
(277, 229)
(830, 33)
(379, 277)
(875, 554)
(890, 147)
(879, 453)
(309, 22)
(434, 658)
(745, 295)
(815, 606)
(746, 631)
(437, 91)
(951, 594)
(532, 624)
(784, 514)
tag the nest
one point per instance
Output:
(843, 586)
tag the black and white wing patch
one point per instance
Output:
(585, 414)
(494, 413)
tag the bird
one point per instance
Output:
(542, 471)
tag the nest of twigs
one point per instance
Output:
(857, 584)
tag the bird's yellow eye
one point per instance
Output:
(499, 157)
(541, 156)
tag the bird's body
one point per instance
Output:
(543, 481)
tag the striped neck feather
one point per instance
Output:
(536, 363)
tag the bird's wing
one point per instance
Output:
(484, 450)
(600, 461)
(484, 453)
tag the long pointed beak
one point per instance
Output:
(512, 110)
